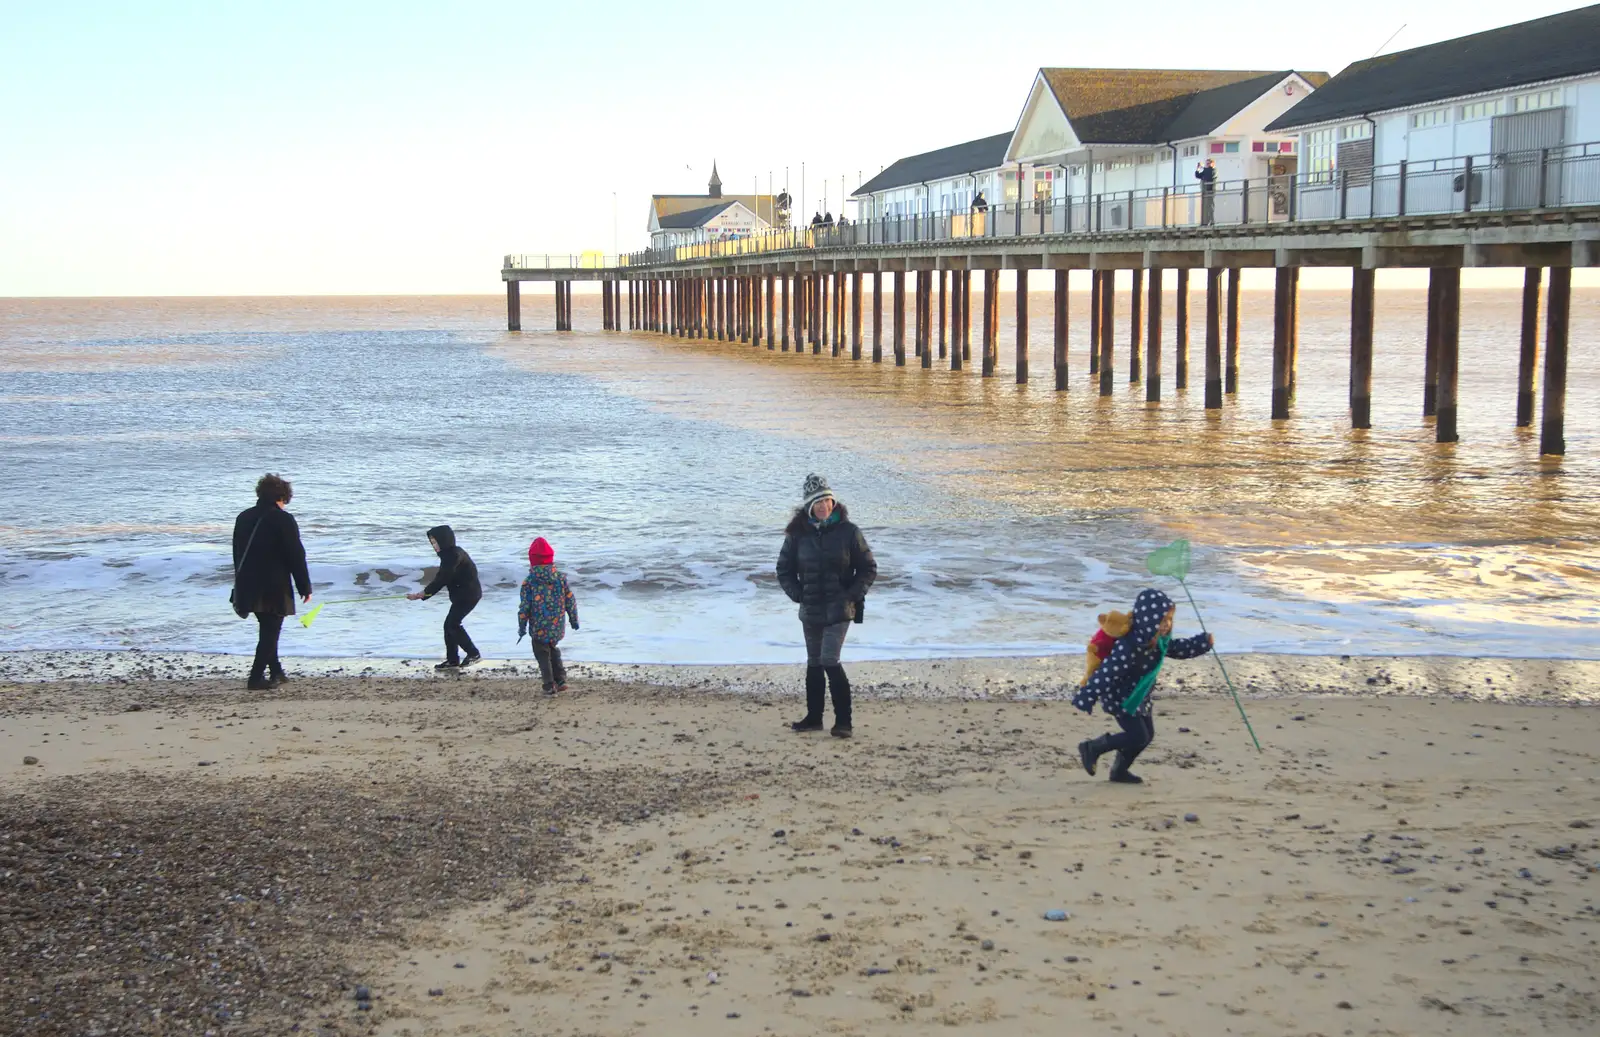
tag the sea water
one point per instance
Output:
(1003, 517)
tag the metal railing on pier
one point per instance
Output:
(568, 261)
(1514, 181)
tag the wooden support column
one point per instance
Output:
(1230, 363)
(838, 313)
(1096, 283)
(719, 308)
(942, 313)
(1363, 293)
(967, 316)
(855, 315)
(1135, 329)
(1528, 360)
(958, 317)
(1214, 338)
(819, 323)
(1022, 327)
(1294, 332)
(784, 279)
(1108, 330)
(1430, 345)
(560, 317)
(513, 305)
(899, 318)
(925, 315)
(755, 310)
(991, 305)
(1152, 365)
(605, 306)
(1282, 287)
(1449, 356)
(877, 316)
(1060, 329)
(1180, 335)
(772, 327)
(1552, 431)
(917, 329)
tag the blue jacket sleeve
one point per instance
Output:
(1189, 647)
(569, 602)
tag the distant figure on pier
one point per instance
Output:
(816, 221)
(1207, 175)
(980, 203)
(826, 568)
(827, 219)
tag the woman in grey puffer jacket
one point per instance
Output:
(825, 567)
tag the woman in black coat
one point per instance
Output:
(825, 567)
(267, 555)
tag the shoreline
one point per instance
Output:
(1254, 675)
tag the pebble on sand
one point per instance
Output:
(30, 761)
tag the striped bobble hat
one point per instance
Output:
(816, 488)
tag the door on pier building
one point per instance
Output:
(1280, 172)
(1520, 146)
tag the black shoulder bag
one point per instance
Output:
(233, 595)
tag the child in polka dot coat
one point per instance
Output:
(545, 605)
(1124, 683)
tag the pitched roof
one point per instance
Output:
(667, 204)
(956, 160)
(695, 217)
(1083, 92)
(1529, 52)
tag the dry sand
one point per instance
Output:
(634, 858)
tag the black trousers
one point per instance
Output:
(455, 635)
(267, 645)
(1137, 733)
(552, 672)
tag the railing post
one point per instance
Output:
(1294, 197)
(1344, 191)
(1400, 206)
(1128, 217)
(1097, 218)
(1544, 168)
(1466, 185)
(1244, 201)
(1166, 205)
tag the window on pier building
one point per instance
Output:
(1535, 101)
(1191, 150)
(1482, 109)
(1319, 154)
(1431, 117)
(1355, 131)
(1011, 186)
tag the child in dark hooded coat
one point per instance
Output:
(459, 575)
(1124, 684)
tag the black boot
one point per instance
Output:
(816, 692)
(259, 681)
(1091, 751)
(839, 685)
(279, 676)
(1119, 770)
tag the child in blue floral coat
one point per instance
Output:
(1124, 684)
(542, 612)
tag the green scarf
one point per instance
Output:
(1147, 683)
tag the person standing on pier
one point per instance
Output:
(457, 573)
(1207, 175)
(826, 567)
(267, 555)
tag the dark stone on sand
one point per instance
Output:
(436, 992)
(30, 761)
(987, 945)
(779, 834)
(1191, 818)
(363, 994)
(823, 937)
(1347, 1006)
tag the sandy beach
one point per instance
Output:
(419, 857)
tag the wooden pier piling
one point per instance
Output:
(1230, 364)
(784, 278)
(1022, 327)
(1214, 338)
(899, 318)
(1430, 345)
(877, 317)
(1152, 373)
(1108, 330)
(1528, 359)
(1449, 356)
(1558, 305)
(513, 305)
(1282, 281)
(1363, 297)
(1180, 332)
(855, 315)
(966, 316)
(957, 317)
(925, 316)
(991, 306)
(1135, 318)
(1060, 329)
(1095, 282)
(942, 312)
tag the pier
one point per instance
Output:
(786, 290)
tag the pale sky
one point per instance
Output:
(373, 148)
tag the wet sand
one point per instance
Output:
(642, 858)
